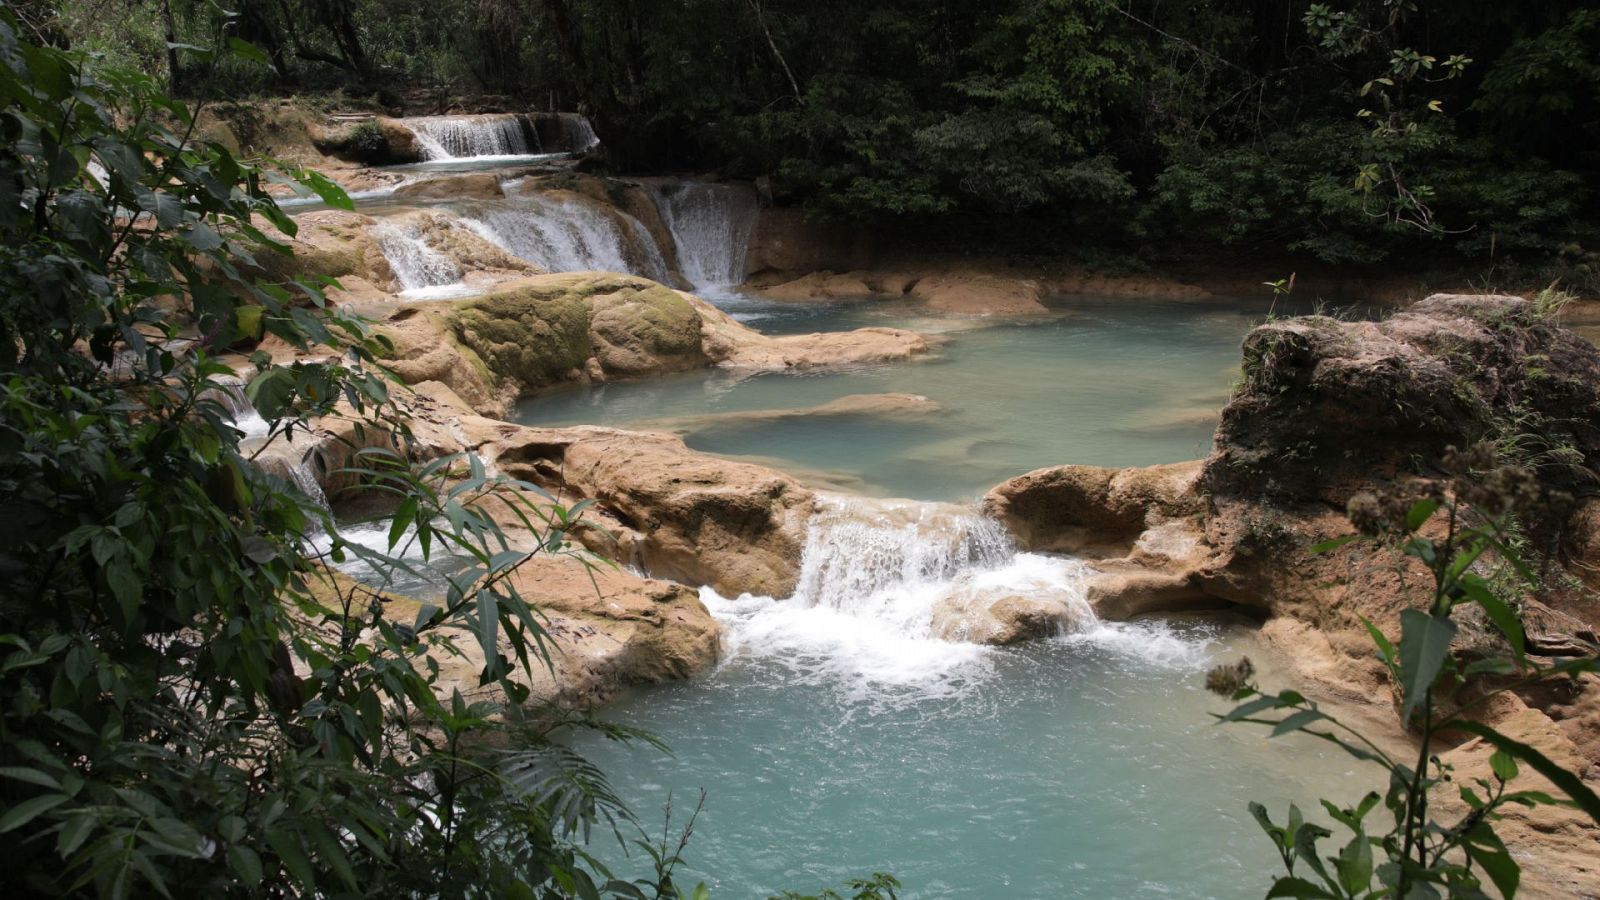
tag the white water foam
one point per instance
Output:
(416, 265)
(873, 573)
(455, 137)
(561, 235)
(861, 618)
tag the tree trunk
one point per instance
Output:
(173, 72)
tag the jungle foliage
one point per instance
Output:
(1348, 131)
(194, 701)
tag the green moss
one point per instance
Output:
(535, 336)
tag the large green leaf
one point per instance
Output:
(1563, 779)
(1424, 645)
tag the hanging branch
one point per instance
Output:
(761, 19)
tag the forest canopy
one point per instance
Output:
(1349, 131)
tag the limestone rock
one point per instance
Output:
(980, 618)
(979, 294)
(1326, 405)
(606, 630)
(472, 186)
(1073, 508)
(683, 515)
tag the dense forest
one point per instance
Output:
(1462, 132)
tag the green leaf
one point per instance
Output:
(331, 193)
(246, 863)
(1486, 849)
(1420, 512)
(1503, 764)
(1424, 644)
(28, 810)
(1386, 650)
(1335, 543)
(402, 520)
(293, 856)
(1355, 865)
(1563, 779)
(32, 776)
(1502, 615)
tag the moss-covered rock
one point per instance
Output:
(534, 334)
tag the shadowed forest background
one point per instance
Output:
(1460, 135)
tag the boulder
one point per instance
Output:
(605, 629)
(979, 294)
(1076, 508)
(981, 618)
(671, 511)
(1325, 405)
(527, 334)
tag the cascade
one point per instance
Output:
(561, 235)
(872, 573)
(454, 137)
(711, 225)
(577, 134)
(416, 265)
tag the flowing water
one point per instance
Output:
(711, 226)
(847, 730)
(839, 737)
(452, 137)
(564, 235)
(1111, 383)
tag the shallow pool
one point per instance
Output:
(1101, 382)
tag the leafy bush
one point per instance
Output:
(195, 700)
(1415, 854)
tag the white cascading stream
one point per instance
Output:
(561, 235)
(416, 265)
(280, 457)
(872, 574)
(458, 137)
(711, 226)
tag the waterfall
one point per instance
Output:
(454, 137)
(578, 135)
(711, 225)
(229, 394)
(570, 235)
(873, 573)
(416, 265)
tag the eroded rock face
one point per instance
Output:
(1328, 405)
(607, 630)
(699, 519)
(1072, 509)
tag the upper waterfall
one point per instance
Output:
(711, 225)
(454, 137)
